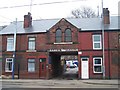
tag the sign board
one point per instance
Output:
(79, 52)
(62, 50)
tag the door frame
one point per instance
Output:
(88, 67)
(40, 68)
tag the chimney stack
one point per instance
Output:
(27, 20)
(106, 17)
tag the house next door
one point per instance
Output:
(85, 68)
(42, 68)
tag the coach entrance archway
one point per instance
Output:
(64, 64)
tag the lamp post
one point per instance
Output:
(14, 49)
(103, 69)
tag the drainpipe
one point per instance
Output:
(109, 54)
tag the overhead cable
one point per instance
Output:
(40, 4)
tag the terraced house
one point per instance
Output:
(48, 48)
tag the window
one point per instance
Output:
(31, 65)
(68, 35)
(9, 65)
(58, 36)
(31, 43)
(97, 42)
(97, 64)
(10, 44)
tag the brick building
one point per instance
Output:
(44, 46)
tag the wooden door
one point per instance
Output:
(42, 67)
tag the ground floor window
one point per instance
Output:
(31, 65)
(97, 65)
(8, 65)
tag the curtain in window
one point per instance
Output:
(31, 65)
(31, 44)
(10, 44)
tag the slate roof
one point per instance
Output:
(85, 24)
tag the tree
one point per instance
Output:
(84, 12)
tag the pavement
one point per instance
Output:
(54, 83)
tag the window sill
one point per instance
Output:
(31, 71)
(64, 43)
(97, 48)
(98, 72)
(31, 50)
(8, 71)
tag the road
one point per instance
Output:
(57, 84)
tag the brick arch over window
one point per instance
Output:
(58, 35)
(68, 35)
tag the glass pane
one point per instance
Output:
(32, 45)
(68, 32)
(10, 43)
(9, 64)
(96, 45)
(31, 67)
(97, 38)
(58, 33)
(42, 59)
(97, 68)
(31, 60)
(58, 39)
(58, 36)
(68, 38)
(33, 39)
(97, 61)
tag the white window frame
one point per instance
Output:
(31, 61)
(31, 43)
(97, 42)
(6, 65)
(10, 44)
(97, 64)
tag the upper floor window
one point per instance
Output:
(68, 35)
(97, 42)
(31, 43)
(10, 44)
(9, 65)
(58, 36)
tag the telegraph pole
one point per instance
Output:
(14, 53)
(103, 69)
(31, 6)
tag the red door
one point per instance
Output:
(42, 67)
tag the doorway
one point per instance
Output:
(64, 65)
(84, 68)
(42, 67)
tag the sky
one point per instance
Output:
(49, 9)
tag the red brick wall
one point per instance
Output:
(86, 47)
(114, 56)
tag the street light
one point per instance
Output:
(103, 69)
(14, 49)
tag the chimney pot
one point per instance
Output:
(27, 20)
(106, 16)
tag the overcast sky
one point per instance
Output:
(49, 11)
